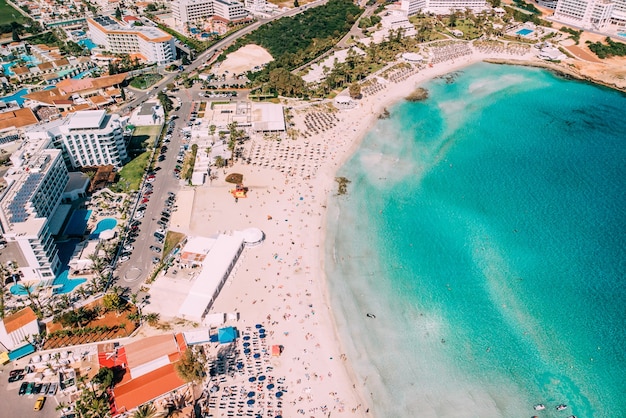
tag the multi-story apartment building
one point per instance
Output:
(412, 7)
(186, 11)
(618, 17)
(587, 14)
(35, 184)
(86, 138)
(151, 43)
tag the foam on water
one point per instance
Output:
(484, 228)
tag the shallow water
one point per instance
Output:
(484, 228)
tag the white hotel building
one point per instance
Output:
(186, 11)
(35, 184)
(588, 14)
(444, 7)
(86, 138)
(151, 43)
(591, 14)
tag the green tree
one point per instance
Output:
(118, 13)
(296, 4)
(166, 102)
(190, 367)
(105, 378)
(113, 302)
(355, 90)
(145, 411)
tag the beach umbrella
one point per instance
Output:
(250, 401)
(270, 386)
(261, 378)
(279, 394)
(258, 326)
(246, 344)
(257, 355)
(252, 379)
(246, 351)
(262, 335)
(250, 394)
(240, 365)
(246, 337)
(261, 330)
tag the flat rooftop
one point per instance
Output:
(86, 119)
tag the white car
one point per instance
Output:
(138, 215)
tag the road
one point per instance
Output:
(132, 273)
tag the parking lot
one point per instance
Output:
(15, 405)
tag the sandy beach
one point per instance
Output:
(281, 283)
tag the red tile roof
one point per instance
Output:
(145, 388)
(19, 319)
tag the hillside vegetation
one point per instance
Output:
(294, 41)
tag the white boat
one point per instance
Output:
(561, 407)
(539, 407)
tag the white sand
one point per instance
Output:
(244, 59)
(281, 283)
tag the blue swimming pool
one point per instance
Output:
(88, 43)
(17, 96)
(78, 222)
(20, 289)
(103, 225)
(83, 74)
(63, 284)
(621, 34)
(524, 32)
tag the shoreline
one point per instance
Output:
(283, 282)
(558, 70)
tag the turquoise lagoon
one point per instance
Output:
(485, 230)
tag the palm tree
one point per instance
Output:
(145, 411)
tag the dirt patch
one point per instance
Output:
(106, 326)
(244, 59)
(582, 53)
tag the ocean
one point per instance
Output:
(484, 232)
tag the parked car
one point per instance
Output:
(23, 387)
(39, 403)
(37, 388)
(16, 378)
(29, 388)
(52, 390)
(156, 260)
(155, 249)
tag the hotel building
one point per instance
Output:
(86, 138)
(35, 184)
(151, 43)
(186, 11)
(412, 7)
(587, 14)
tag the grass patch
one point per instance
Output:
(8, 14)
(172, 239)
(143, 137)
(132, 173)
(144, 81)
(234, 178)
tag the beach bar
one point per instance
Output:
(216, 267)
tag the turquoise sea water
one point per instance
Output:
(485, 230)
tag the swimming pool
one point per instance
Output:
(103, 225)
(17, 97)
(83, 74)
(78, 222)
(88, 43)
(524, 32)
(63, 284)
(621, 34)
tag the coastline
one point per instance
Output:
(283, 282)
(559, 70)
